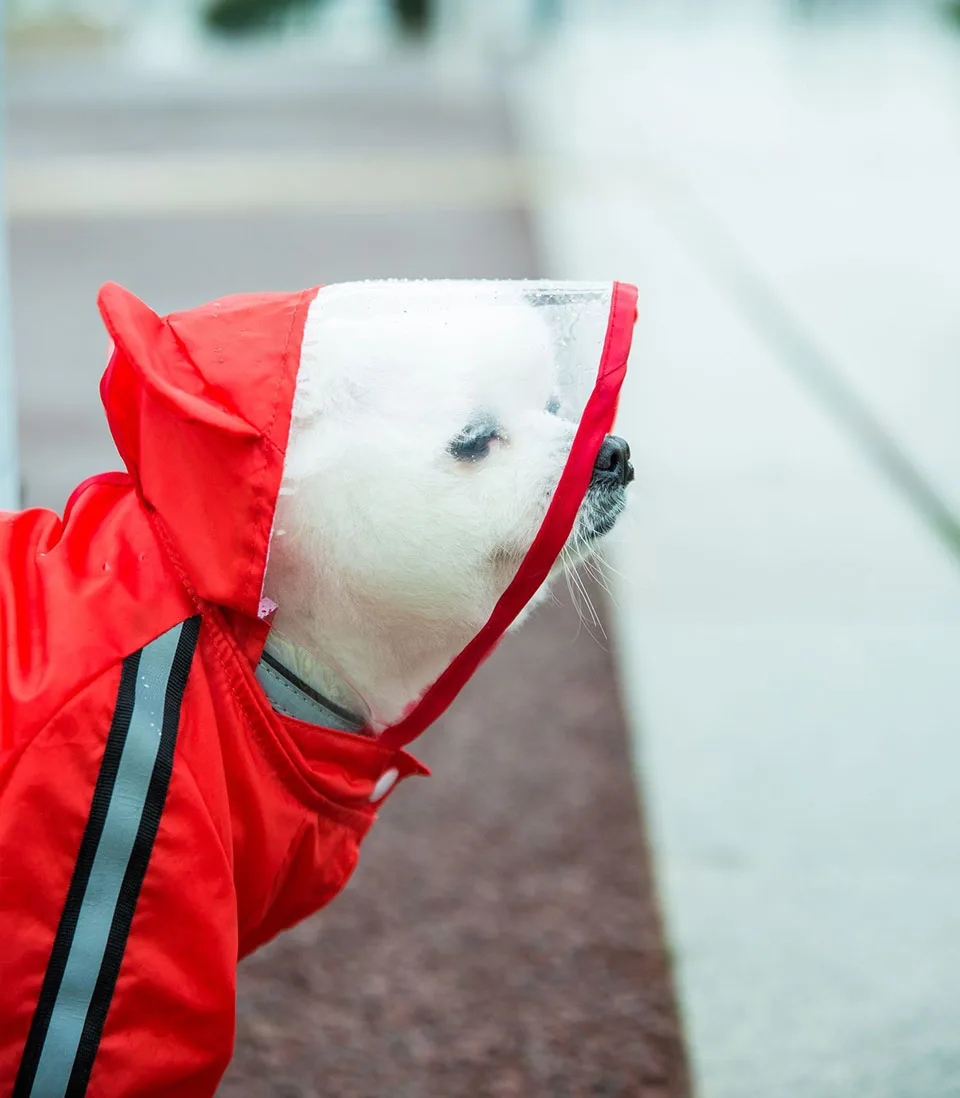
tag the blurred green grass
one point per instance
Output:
(242, 17)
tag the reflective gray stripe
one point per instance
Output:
(109, 866)
(286, 698)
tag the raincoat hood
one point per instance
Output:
(207, 406)
(199, 406)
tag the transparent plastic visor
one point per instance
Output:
(431, 425)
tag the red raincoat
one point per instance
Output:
(158, 819)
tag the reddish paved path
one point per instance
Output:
(499, 937)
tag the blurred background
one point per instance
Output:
(710, 843)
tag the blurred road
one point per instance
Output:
(501, 935)
(789, 607)
(68, 120)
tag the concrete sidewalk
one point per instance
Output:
(789, 612)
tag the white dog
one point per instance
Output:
(424, 453)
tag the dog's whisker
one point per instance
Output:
(591, 609)
(594, 616)
(599, 575)
(574, 600)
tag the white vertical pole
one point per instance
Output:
(9, 465)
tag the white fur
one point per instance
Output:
(388, 554)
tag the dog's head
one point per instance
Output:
(415, 484)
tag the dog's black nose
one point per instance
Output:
(613, 463)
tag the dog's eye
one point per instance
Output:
(473, 442)
(552, 407)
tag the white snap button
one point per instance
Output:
(384, 784)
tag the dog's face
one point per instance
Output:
(417, 481)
